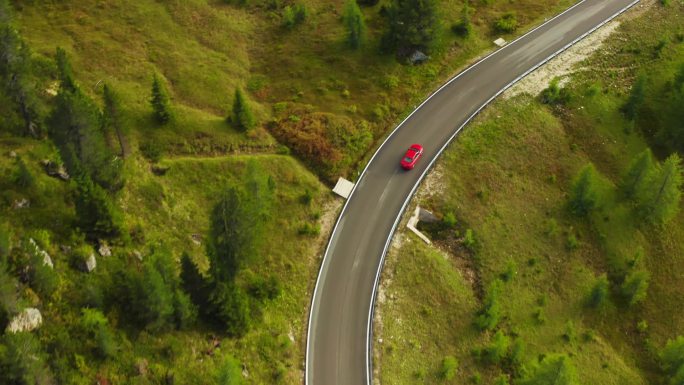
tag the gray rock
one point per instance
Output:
(55, 170)
(90, 263)
(27, 320)
(104, 249)
(12, 154)
(21, 204)
(418, 57)
(37, 251)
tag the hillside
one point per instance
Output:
(532, 274)
(205, 232)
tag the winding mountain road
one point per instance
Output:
(339, 339)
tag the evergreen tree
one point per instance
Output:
(96, 327)
(96, 214)
(552, 370)
(160, 102)
(23, 177)
(238, 222)
(600, 292)
(463, 27)
(22, 361)
(490, 315)
(66, 75)
(231, 308)
(449, 368)
(16, 78)
(636, 98)
(112, 117)
(412, 25)
(584, 193)
(193, 282)
(660, 196)
(672, 358)
(635, 287)
(5, 12)
(498, 350)
(356, 26)
(636, 175)
(242, 117)
(76, 128)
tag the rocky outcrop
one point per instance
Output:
(37, 251)
(27, 320)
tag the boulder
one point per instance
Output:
(418, 57)
(29, 319)
(104, 249)
(55, 170)
(21, 204)
(36, 250)
(90, 263)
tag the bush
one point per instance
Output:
(635, 287)
(229, 372)
(506, 23)
(469, 240)
(449, 368)
(584, 194)
(488, 318)
(554, 94)
(599, 293)
(498, 349)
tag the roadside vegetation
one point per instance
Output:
(559, 252)
(151, 208)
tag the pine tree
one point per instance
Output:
(112, 116)
(66, 75)
(636, 175)
(160, 102)
(553, 369)
(242, 117)
(636, 98)
(356, 26)
(599, 293)
(96, 213)
(659, 199)
(193, 282)
(463, 27)
(490, 315)
(229, 372)
(584, 194)
(412, 25)
(672, 358)
(635, 287)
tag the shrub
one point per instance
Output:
(306, 198)
(490, 314)
(159, 100)
(672, 358)
(23, 177)
(599, 293)
(584, 193)
(242, 117)
(463, 27)
(510, 271)
(498, 349)
(310, 229)
(554, 94)
(469, 240)
(96, 327)
(506, 23)
(449, 368)
(635, 287)
(553, 369)
(152, 150)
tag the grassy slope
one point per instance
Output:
(515, 165)
(203, 50)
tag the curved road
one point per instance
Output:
(339, 337)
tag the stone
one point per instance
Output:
(12, 154)
(36, 250)
(138, 255)
(418, 57)
(141, 366)
(55, 170)
(90, 263)
(196, 239)
(26, 321)
(104, 249)
(21, 204)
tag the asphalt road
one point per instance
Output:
(339, 339)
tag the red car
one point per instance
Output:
(411, 157)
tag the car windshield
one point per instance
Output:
(407, 159)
